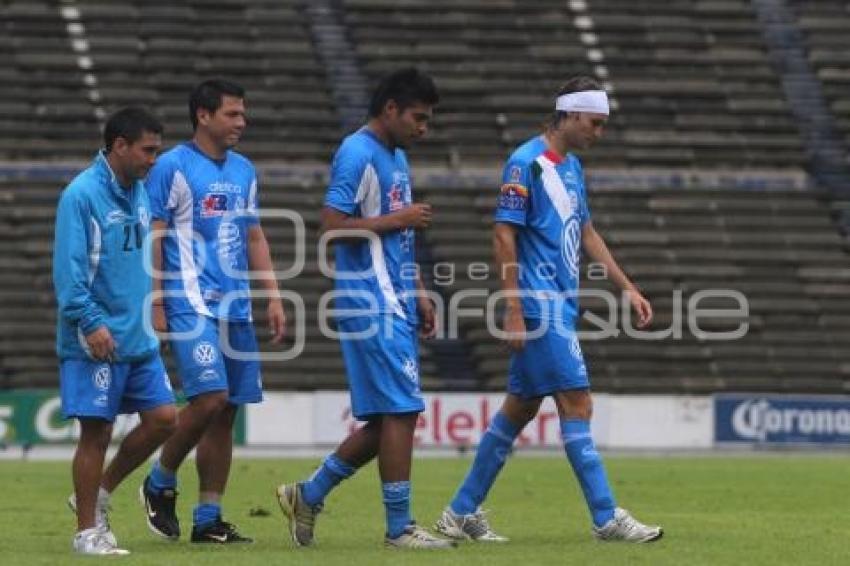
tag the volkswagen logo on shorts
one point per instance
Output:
(102, 376)
(204, 354)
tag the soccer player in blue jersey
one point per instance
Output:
(377, 299)
(109, 363)
(204, 199)
(542, 222)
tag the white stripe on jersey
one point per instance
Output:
(369, 197)
(180, 199)
(94, 262)
(555, 189)
(558, 194)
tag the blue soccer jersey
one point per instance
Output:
(99, 267)
(209, 207)
(544, 196)
(368, 179)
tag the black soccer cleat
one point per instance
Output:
(159, 510)
(220, 532)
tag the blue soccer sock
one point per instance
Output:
(589, 470)
(325, 478)
(397, 505)
(161, 479)
(206, 514)
(492, 452)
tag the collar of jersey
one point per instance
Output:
(194, 147)
(112, 179)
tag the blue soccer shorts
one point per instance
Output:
(211, 356)
(550, 362)
(381, 357)
(104, 390)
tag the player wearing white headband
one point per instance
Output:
(542, 223)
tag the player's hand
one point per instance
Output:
(101, 345)
(158, 320)
(514, 327)
(417, 215)
(641, 307)
(277, 320)
(427, 318)
(160, 324)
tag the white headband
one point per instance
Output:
(595, 101)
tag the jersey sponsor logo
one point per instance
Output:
(116, 217)
(101, 401)
(229, 244)
(102, 377)
(513, 196)
(395, 198)
(224, 187)
(214, 204)
(399, 193)
(204, 354)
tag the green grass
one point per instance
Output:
(740, 510)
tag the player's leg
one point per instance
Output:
(87, 467)
(147, 392)
(204, 377)
(301, 502)
(238, 345)
(91, 393)
(155, 427)
(610, 522)
(462, 519)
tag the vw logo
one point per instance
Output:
(571, 245)
(102, 377)
(204, 354)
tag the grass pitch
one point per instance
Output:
(743, 510)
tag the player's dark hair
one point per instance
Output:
(129, 123)
(406, 87)
(209, 96)
(573, 84)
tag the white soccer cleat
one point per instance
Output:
(415, 536)
(467, 527)
(94, 542)
(625, 527)
(101, 516)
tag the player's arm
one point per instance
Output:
(427, 312)
(417, 215)
(260, 261)
(71, 279)
(595, 247)
(159, 229)
(505, 256)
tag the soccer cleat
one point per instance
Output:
(101, 517)
(472, 527)
(300, 516)
(220, 532)
(625, 527)
(415, 536)
(93, 541)
(159, 510)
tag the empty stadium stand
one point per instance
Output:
(695, 89)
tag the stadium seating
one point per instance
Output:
(781, 250)
(824, 25)
(694, 89)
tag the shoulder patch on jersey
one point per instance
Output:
(513, 196)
